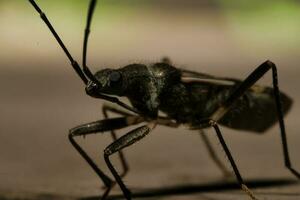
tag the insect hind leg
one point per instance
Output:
(247, 84)
(212, 123)
(226, 173)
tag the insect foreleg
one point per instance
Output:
(125, 141)
(105, 110)
(96, 127)
(160, 120)
(108, 108)
(247, 84)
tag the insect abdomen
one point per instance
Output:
(255, 111)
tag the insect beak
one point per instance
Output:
(91, 88)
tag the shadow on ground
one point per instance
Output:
(184, 189)
(199, 188)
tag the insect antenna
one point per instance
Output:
(74, 63)
(85, 73)
(86, 70)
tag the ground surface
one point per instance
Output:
(36, 157)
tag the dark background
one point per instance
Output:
(42, 98)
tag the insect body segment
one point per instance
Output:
(143, 85)
(185, 97)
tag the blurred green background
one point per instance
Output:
(147, 29)
(42, 98)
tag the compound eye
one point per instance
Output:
(114, 77)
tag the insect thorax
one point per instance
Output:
(146, 84)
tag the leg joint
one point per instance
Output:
(107, 152)
(70, 136)
(212, 122)
(76, 131)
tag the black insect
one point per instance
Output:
(186, 97)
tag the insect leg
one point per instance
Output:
(213, 155)
(125, 141)
(105, 109)
(92, 128)
(160, 120)
(166, 60)
(74, 63)
(247, 84)
(212, 123)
